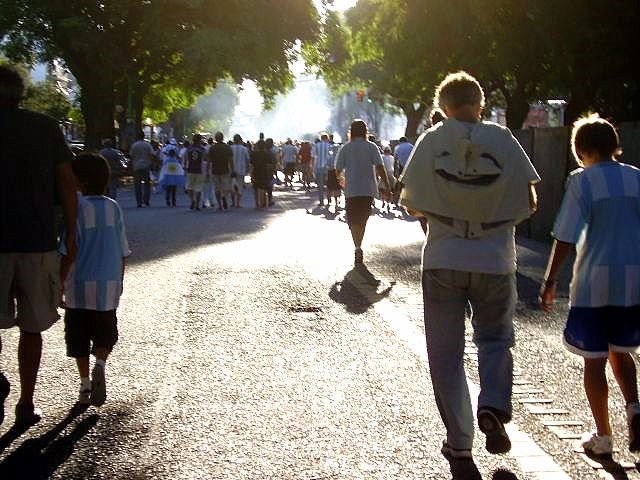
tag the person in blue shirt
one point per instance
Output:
(93, 282)
(600, 214)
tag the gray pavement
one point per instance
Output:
(250, 349)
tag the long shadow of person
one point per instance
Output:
(40, 457)
(463, 469)
(503, 474)
(359, 290)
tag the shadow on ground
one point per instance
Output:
(40, 457)
(359, 290)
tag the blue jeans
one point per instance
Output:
(321, 181)
(143, 193)
(493, 299)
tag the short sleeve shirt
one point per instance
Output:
(600, 213)
(221, 156)
(359, 159)
(403, 152)
(32, 147)
(95, 279)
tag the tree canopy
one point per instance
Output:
(125, 51)
(525, 51)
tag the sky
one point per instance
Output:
(305, 109)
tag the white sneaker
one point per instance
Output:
(84, 396)
(598, 445)
(633, 422)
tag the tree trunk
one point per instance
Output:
(414, 120)
(517, 107)
(578, 103)
(98, 110)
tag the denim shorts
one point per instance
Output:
(592, 332)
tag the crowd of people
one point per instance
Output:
(469, 180)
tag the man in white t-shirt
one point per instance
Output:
(322, 159)
(464, 265)
(240, 166)
(289, 155)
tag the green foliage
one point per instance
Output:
(163, 51)
(524, 51)
(45, 97)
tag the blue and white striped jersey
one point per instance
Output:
(600, 212)
(95, 279)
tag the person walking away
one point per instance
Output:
(402, 153)
(197, 167)
(172, 174)
(208, 190)
(333, 182)
(240, 168)
(360, 161)
(35, 174)
(289, 155)
(95, 279)
(321, 160)
(221, 157)
(117, 165)
(142, 155)
(305, 158)
(600, 213)
(473, 182)
(388, 160)
(261, 173)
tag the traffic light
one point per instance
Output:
(360, 94)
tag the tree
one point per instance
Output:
(526, 51)
(119, 51)
(44, 97)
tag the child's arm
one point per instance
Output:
(533, 198)
(124, 260)
(559, 253)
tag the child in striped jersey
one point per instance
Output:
(93, 282)
(600, 213)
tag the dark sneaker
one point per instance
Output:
(27, 415)
(497, 440)
(4, 393)
(457, 453)
(98, 386)
(224, 203)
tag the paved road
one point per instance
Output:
(250, 349)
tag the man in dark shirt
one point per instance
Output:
(221, 158)
(117, 163)
(37, 175)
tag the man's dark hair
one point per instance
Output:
(11, 85)
(108, 143)
(403, 139)
(219, 137)
(92, 171)
(358, 129)
(140, 135)
(197, 139)
(237, 138)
